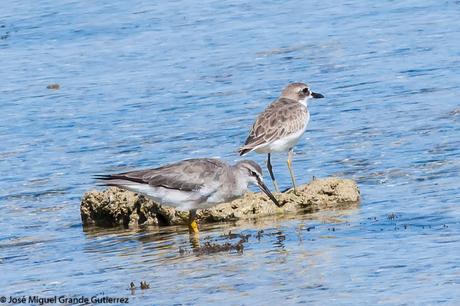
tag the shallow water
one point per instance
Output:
(143, 84)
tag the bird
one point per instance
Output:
(279, 127)
(192, 184)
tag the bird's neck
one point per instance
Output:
(240, 182)
(304, 102)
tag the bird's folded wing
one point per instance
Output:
(187, 175)
(282, 118)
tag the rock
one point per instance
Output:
(115, 207)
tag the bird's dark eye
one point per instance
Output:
(305, 91)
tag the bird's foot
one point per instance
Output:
(292, 190)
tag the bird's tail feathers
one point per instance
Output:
(244, 150)
(111, 178)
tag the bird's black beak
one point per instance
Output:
(265, 190)
(316, 95)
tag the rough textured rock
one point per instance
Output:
(114, 207)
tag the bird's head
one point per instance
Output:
(300, 92)
(253, 174)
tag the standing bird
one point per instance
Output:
(279, 127)
(192, 184)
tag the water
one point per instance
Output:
(143, 84)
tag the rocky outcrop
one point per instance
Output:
(117, 207)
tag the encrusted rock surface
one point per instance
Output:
(115, 207)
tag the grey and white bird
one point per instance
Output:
(279, 127)
(193, 183)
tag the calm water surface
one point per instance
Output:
(147, 83)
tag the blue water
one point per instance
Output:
(143, 84)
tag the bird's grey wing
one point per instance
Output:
(280, 119)
(187, 175)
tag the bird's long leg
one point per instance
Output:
(192, 225)
(289, 163)
(269, 166)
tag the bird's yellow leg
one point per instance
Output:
(192, 224)
(193, 227)
(291, 172)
